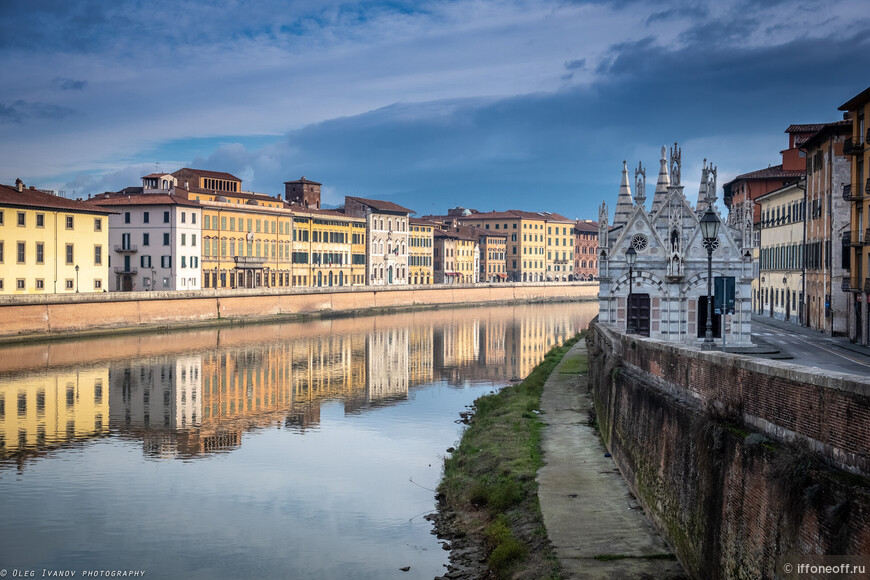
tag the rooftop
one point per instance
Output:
(31, 197)
(381, 205)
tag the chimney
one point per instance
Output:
(19, 185)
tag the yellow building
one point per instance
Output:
(246, 237)
(50, 244)
(782, 252)
(526, 241)
(420, 252)
(560, 247)
(857, 191)
(328, 248)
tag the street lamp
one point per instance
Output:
(630, 258)
(77, 278)
(710, 232)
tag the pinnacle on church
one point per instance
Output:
(624, 202)
(662, 184)
(701, 206)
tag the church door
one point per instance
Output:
(702, 320)
(638, 314)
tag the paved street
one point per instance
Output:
(810, 348)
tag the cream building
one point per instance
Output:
(50, 244)
(781, 253)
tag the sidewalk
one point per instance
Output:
(587, 508)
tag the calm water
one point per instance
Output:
(303, 450)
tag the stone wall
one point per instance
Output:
(736, 460)
(48, 315)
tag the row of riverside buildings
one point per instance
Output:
(809, 225)
(196, 229)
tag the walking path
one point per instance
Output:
(587, 507)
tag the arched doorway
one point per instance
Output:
(341, 278)
(389, 275)
(329, 279)
(320, 278)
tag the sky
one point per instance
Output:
(484, 104)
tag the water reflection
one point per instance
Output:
(289, 450)
(188, 393)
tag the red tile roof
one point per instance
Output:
(303, 180)
(31, 198)
(805, 128)
(773, 172)
(585, 226)
(856, 101)
(381, 205)
(206, 173)
(118, 199)
(835, 128)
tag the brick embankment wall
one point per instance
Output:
(736, 460)
(50, 315)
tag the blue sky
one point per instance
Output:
(489, 104)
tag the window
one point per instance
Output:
(70, 284)
(146, 217)
(183, 238)
(40, 220)
(184, 261)
(1, 217)
(145, 261)
(19, 284)
(40, 253)
(193, 239)
(98, 284)
(98, 255)
(21, 219)
(183, 217)
(193, 218)
(69, 222)
(20, 252)
(165, 261)
(126, 217)
(69, 254)
(1, 251)
(166, 217)
(166, 239)
(40, 284)
(98, 224)
(146, 239)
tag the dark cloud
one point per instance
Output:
(21, 110)
(64, 84)
(575, 64)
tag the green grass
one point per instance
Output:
(491, 475)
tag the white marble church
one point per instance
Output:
(668, 295)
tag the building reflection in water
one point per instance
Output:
(185, 394)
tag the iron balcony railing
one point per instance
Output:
(122, 249)
(123, 270)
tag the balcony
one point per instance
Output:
(125, 270)
(851, 147)
(847, 285)
(249, 262)
(854, 238)
(126, 249)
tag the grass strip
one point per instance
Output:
(490, 477)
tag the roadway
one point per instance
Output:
(810, 348)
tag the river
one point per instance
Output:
(296, 450)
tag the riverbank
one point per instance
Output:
(488, 509)
(47, 317)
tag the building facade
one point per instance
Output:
(525, 241)
(421, 242)
(560, 247)
(155, 237)
(781, 282)
(664, 295)
(585, 250)
(827, 216)
(387, 239)
(50, 244)
(857, 110)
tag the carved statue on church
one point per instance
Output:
(640, 184)
(675, 240)
(711, 185)
(676, 164)
(602, 226)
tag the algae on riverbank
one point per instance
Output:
(489, 485)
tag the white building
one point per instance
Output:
(155, 238)
(387, 239)
(664, 295)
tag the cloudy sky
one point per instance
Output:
(490, 104)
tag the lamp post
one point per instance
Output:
(630, 258)
(710, 232)
(77, 278)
